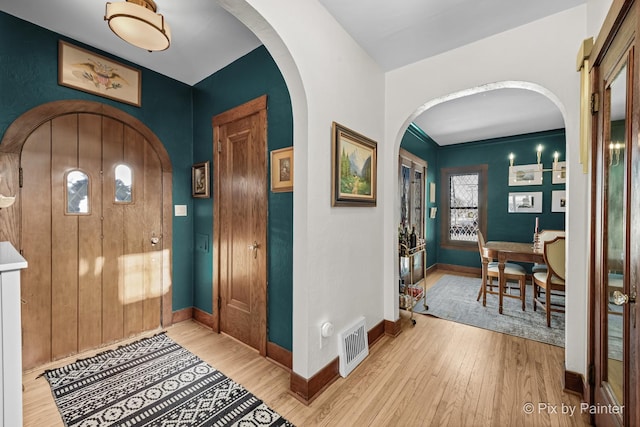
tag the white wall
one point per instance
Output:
(542, 53)
(345, 258)
(337, 273)
(596, 13)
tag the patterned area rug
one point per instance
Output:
(454, 298)
(153, 382)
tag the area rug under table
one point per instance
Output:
(454, 298)
(153, 382)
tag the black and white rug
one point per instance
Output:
(153, 382)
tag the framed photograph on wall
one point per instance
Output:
(559, 173)
(200, 180)
(525, 175)
(525, 202)
(282, 170)
(89, 72)
(558, 201)
(354, 168)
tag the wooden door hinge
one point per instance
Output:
(595, 103)
(219, 146)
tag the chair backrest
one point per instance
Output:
(554, 256)
(545, 235)
(481, 245)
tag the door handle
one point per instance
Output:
(619, 298)
(154, 239)
(254, 247)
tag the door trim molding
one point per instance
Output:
(251, 107)
(15, 138)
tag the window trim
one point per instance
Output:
(445, 202)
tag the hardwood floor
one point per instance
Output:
(436, 373)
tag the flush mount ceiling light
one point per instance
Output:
(136, 22)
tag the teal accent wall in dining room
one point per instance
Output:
(502, 225)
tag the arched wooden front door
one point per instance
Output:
(92, 220)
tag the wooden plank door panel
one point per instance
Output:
(133, 258)
(113, 237)
(36, 245)
(64, 235)
(90, 235)
(153, 260)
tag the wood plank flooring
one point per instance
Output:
(436, 373)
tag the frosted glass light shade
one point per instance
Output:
(138, 25)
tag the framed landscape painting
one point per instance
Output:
(354, 168)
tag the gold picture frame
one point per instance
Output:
(92, 73)
(282, 170)
(354, 168)
(200, 180)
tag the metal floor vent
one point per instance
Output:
(354, 346)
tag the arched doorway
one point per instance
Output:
(94, 219)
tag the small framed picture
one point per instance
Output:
(282, 170)
(558, 201)
(200, 180)
(525, 202)
(559, 173)
(525, 175)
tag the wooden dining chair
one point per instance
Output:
(552, 279)
(512, 273)
(544, 236)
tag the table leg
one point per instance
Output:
(501, 283)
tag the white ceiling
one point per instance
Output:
(206, 38)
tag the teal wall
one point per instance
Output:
(502, 225)
(228, 88)
(180, 115)
(419, 144)
(29, 77)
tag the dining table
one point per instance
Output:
(508, 251)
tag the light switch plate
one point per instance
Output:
(180, 210)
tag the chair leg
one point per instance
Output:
(481, 290)
(535, 295)
(547, 300)
(523, 290)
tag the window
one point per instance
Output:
(464, 206)
(123, 184)
(412, 190)
(77, 192)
